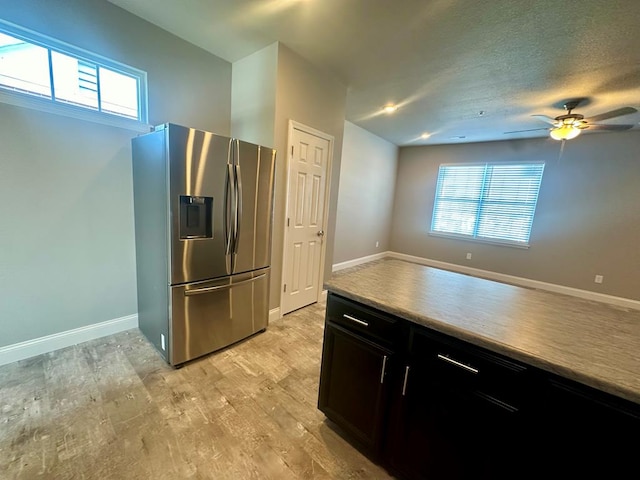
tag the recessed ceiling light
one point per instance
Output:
(390, 108)
(425, 135)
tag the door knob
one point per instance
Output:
(320, 233)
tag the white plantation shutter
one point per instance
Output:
(491, 202)
(35, 66)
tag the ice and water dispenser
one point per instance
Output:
(196, 217)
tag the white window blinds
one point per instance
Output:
(491, 202)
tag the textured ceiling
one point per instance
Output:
(443, 61)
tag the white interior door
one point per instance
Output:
(308, 163)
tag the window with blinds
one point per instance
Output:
(51, 74)
(493, 202)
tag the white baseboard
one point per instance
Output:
(524, 282)
(49, 343)
(323, 296)
(274, 314)
(358, 261)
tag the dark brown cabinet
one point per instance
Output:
(587, 433)
(357, 360)
(457, 413)
(431, 406)
(353, 392)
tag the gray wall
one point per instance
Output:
(66, 206)
(587, 220)
(186, 84)
(317, 99)
(253, 97)
(261, 113)
(365, 199)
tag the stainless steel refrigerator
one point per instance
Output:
(203, 207)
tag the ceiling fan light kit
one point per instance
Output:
(570, 125)
(565, 131)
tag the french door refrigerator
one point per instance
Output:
(203, 207)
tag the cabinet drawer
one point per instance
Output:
(363, 320)
(470, 370)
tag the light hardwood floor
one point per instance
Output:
(113, 409)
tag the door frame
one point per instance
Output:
(293, 125)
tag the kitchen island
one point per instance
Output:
(442, 346)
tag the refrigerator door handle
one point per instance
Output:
(228, 209)
(199, 291)
(238, 223)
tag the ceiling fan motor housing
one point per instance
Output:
(573, 119)
(571, 105)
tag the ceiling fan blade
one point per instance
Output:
(545, 118)
(612, 128)
(612, 114)
(529, 130)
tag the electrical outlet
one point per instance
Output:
(468, 256)
(599, 279)
(377, 244)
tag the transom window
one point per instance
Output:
(493, 202)
(58, 74)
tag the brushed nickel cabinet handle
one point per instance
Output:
(384, 367)
(458, 364)
(406, 379)
(354, 319)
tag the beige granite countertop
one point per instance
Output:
(591, 342)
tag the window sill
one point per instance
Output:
(44, 105)
(524, 246)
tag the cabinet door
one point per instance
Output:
(587, 434)
(353, 385)
(419, 445)
(446, 425)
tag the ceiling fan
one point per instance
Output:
(570, 125)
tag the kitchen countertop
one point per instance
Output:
(594, 343)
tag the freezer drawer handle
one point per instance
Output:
(458, 364)
(354, 319)
(221, 287)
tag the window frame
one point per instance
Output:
(475, 238)
(51, 105)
